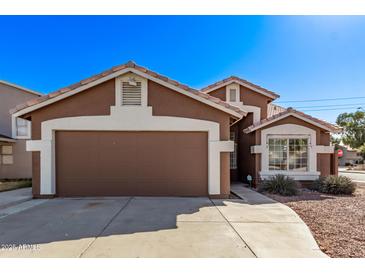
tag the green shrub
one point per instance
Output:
(279, 184)
(334, 185)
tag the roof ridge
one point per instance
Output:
(239, 79)
(292, 110)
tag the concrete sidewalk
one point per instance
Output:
(269, 228)
(13, 197)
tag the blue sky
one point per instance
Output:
(299, 57)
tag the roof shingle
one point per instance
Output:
(133, 65)
(277, 116)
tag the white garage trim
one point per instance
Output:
(126, 119)
(291, 130)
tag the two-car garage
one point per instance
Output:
(114, 163)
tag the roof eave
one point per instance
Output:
(170, 84)
(329, 129)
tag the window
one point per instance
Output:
(131, 93)
(6, 155)
(288, 154)
(232, 95)
(233, 155)
(22, 127)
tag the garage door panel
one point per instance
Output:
(131, 163)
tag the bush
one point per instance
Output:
(279, 184)
(334, 185)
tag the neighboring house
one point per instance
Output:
(131, 131)
(15, 161)
(350, 156)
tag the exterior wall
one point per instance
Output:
(219, 93)
(248, 97)
(22, 165)
(97, 101)
(251, 98)
(325, 161)
(9, 98)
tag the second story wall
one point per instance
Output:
(9, 98)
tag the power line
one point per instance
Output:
(320, 100)
(324, 109)
(339, 105)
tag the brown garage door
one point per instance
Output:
(96, 163)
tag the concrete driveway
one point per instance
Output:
(155, 227)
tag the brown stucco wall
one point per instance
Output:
(166, 102)
(97, 101)
(219, 93)
(252, 98)
(248, 97)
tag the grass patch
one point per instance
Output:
(11, 184)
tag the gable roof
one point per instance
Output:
(20, 87)
(120, 70)
(243, 82)
(298, 114)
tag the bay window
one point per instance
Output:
(288, 153)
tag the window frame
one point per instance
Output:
(233, 154)
(288, 138)
(15, 129)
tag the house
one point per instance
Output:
(15, 161)
(349, 156)
(131, 131)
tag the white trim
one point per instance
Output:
(290, 131)
(8, 140)
(310, 121)
(242, 84)
(121, 72)
(127, 119)
(256, 111)
(14, 129)
(21, 88)
(325, 149)
(124, 78)
(228, 93)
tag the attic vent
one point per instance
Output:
(131, 94)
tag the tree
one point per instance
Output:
(353, 125)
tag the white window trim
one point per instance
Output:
(126, 119)
(291, 130)
(14, 129)
(288, 137)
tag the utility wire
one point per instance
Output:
(320, 100)
(324, 109)
(339, 105)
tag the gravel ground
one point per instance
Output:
(337, 222)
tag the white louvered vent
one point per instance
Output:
(131, 94)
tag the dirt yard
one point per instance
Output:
(337, 222)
